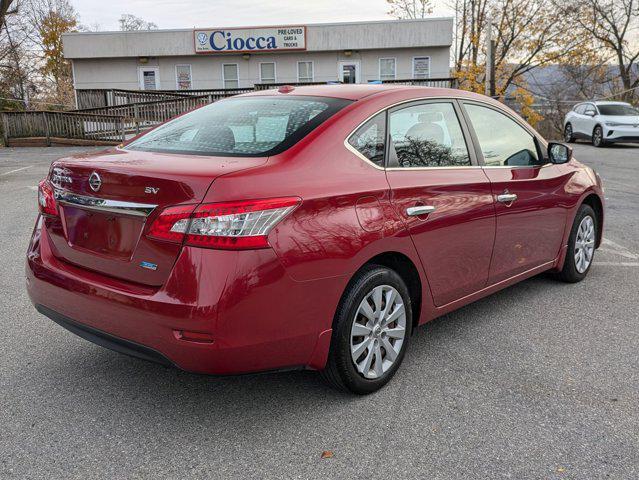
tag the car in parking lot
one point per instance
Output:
(311, 227)
(602, 123)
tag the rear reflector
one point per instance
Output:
(197, 337)
(46, 199)
(229, 226)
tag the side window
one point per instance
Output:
(580, 109)
(370, 139)
(590, 108)
(501, 139)
(427, 135)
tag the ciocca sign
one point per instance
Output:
(247, 40)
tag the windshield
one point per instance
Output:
(241, 127)
(621, 110)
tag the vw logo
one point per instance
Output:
(95, 182)
(201, 37)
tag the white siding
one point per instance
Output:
(206, 70)
(432, 32)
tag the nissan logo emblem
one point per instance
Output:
(95, 182)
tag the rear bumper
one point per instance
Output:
(106, 340)
(258, 318)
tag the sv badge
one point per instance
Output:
(152, 190)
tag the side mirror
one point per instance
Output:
(591, 113)
(559, 153)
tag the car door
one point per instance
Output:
(588, 120)
(442, 195)
(577, 120)
(528, 191)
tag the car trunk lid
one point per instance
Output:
(108, 200)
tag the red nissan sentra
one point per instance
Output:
(311, 227)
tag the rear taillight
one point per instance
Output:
(46, 199)
(171, 224)
(230, 225)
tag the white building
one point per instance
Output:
(217, 58)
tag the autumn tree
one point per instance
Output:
(49, 20)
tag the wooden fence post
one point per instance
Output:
(45, 119)
(136, 113)
(5, 129)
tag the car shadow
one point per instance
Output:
(135, 384)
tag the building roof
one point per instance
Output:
(428, 32)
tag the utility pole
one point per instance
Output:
(490, 59)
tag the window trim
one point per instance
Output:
(177, 83)
(539, 141)
(413, 66)
(274, 71)
(237, 69)
(379, 67)
(312, 71)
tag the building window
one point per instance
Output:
(230, 75)
(304, 72)
(183, 77)
(267, 72)
(387, 68)
(421, 67)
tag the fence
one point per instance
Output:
(138, 116)
(98, 98)
(108, 115)
(51, 125)
(426, 82)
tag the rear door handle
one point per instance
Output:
(420, 210)
(507, 197)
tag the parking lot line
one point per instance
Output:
(14, 171)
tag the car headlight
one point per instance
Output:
(613, 124)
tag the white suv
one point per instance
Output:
(602, 123)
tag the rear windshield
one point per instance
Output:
(622, 110)
(241, 127)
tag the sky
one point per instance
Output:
(231, 13)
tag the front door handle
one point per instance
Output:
(420, 210)
(507, 197)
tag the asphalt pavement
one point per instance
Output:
(539, 381)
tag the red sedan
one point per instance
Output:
(311, 227)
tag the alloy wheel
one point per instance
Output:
(378, 331)
(598, 134)
(568, 133)
(584, 244)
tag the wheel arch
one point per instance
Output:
(595, 203)
(409, 272)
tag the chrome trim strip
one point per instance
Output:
(104, 205)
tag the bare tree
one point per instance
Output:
(130, 22)
(613, 26)
(409, 8)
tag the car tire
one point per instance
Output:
(597, 137)
(568, 134)
(574, 270)
(364, 364)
